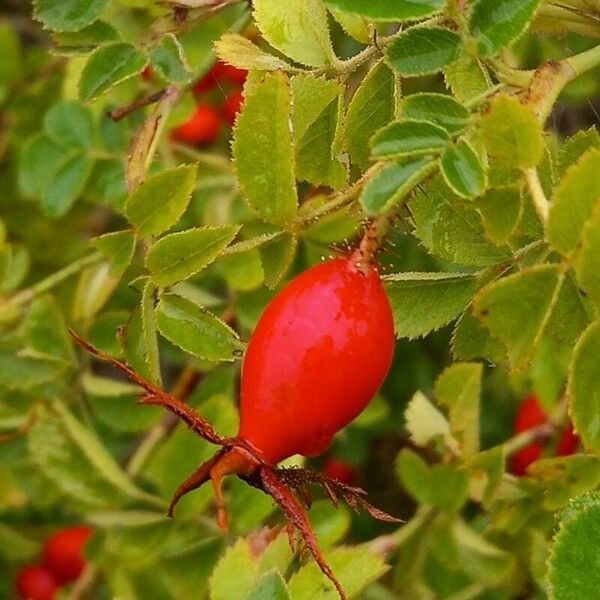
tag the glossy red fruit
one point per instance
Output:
(568, 442)
(338, 469)
(36, 582)
(63, 553)
(320, 351)
(232, 106)
(234, 74)
(202, 128)
(530, 415)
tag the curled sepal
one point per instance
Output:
(154, 395)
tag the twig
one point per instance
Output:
(120, 113)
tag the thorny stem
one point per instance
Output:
(28, 294)
(541, 203)
(373, 238)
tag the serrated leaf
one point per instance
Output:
(118, 248)
(149, 332)
(84, 41)
(390, 10)
(467, 78)
(158, 203)
(424, 302)
(68, 123)
(276, 257)
(180, 255)
(66, 185)
(573, 202)
(441, 109)
(587, 261)
(237, 559)
(263, 151)
(497, 23)
(68, 15)
(47, 331)
(355, 568)
(270, 586)
(519, 325)
(40, 159)
(94, 287)
(354, 25)
(501, 210)
(583, 389)
(458, 388)
(426, 423)
(569, 573)
(107, 67)
(236, 50)
(471, 340)
(316, 121)
(408, 138)
(168, 60)
(462, 170)
(512, 134)
(450, 230)
(575, 147)
(392, 185)
(196, 330)
(298, 29)
(371, 107)
(423, 50)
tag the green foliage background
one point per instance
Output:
(469, 125)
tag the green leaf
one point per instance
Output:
(158, 203)
(270, 586)
(168, 60)
(355, 568)
(234, 574)
(583, 390)
(458, 388)
(501, 210)
(408, 138)
(425, 423)
(69, 123)
(263, 151)
(467, 78)
(575, 147)
(512, 134)
(66, 185)
(462, 170)
(118, 248)
(390, 10)
(587, 261)
(316, 121)
(442, 485)
(235, 49)
(180, 255)
(573, 202)
(94, 287)
(569, 573)
(68, 15)
(149, 332)
(47, 331)
(471, 340)
(497, 23)
(297, 28)
(423, 50)
(84, 41)
(521, 324)
(354, 25)
(277, 256)
(108, 66)
(371, 107)
(424, 302)
(392, 185)
(441, 109)
(450, 230)
(11, 67)
(196, 330)
(40, 159)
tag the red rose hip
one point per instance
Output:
(202, 128)
(232, 106)
(530, 415)
(36, 582)
(339, 469)
(63, 553)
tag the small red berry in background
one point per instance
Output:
(36, 582)
(147, 73)
(234, 74)
(336, 468)
(202, 128)
(568, 442)
(63, 553)
(232, 106)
